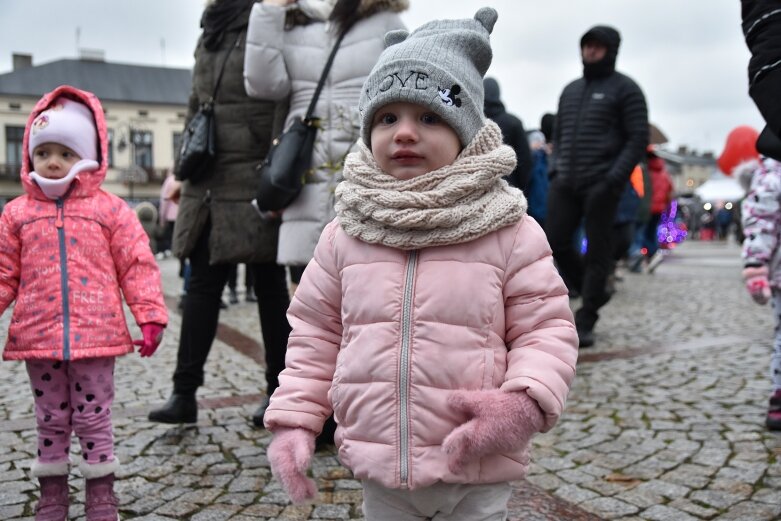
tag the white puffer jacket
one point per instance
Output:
(283, 63)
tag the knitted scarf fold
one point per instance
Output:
(454, 204)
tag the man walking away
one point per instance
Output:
(600, 135)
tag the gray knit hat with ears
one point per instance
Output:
(440, 65)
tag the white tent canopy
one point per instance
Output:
(720, 189)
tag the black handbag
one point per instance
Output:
(198, 148)
(290, 156)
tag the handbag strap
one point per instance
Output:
(222, 68)
(310, 111)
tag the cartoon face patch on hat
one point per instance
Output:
(448, 96)
(40, 123)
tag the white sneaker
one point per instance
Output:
(655, 260)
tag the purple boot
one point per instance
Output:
(53, 505)
(102, 504)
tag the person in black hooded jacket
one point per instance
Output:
(601, 133)
(513, 134)
(762, 31)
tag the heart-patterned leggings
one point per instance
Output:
(73, 396)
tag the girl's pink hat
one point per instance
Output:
(69, 123)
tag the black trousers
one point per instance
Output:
(201, 315)
(595, 206)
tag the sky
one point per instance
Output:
(689, 57)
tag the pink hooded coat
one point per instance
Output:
(384, 336)
(67, 263)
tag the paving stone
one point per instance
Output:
(12, 511)
(12, 498)
(575, 494)
(610, 508)
(241, 499)
(296, 513)
(664, 489)
(143, 506)
(216, 513)
(546, 481)
(666, 513)
(178, 509)
(744, 475)
(262, 510)
(696, 510)
(715, 498)
(771, 496)
(751, 511)
(331, 512)
(554, 463)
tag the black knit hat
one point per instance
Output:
(603, 34)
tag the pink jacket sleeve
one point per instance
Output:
(540, 331)
(10, 263)
(315, 317)
(137, 271)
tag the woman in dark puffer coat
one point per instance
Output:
(216, 224)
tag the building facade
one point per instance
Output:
(688, 169)
(145, 111)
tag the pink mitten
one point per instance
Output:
(757, 283)
(498, 422)
(290, 453)
(153, 335)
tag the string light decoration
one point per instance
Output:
(670, 233)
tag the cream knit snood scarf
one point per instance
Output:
(454, 204)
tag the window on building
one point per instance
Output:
(111, 147)
(177, 144)
(13, 147)
(142, 148)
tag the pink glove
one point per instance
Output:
(290, 453)
(153, 334)
(757, 283)
(498, 422)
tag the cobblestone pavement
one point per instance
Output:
(664, 421)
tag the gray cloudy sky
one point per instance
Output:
(688, 56)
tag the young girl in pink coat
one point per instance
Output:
(432, 320)
(69, 252)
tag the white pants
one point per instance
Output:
(439, 502)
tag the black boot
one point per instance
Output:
(180, 408)
(585, 337)
(257, 416)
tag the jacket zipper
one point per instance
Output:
(59, 223)
(404, 364)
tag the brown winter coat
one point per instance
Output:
(245, 128)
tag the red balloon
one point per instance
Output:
(741, 146)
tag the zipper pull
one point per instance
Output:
(58, 222)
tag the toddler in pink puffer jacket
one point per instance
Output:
(69, 252)
(431, 321)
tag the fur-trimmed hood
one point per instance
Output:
(88, 182)
(366, 8)
(369, 7)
